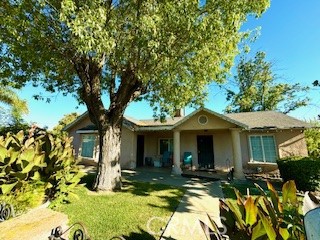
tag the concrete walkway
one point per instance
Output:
(201, 197)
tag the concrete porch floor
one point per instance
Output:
(186, 173)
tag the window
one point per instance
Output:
(165, 144)
(263, 148)
(87, 146)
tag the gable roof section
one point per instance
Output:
(267, 120)
(75, 122)
(221, 116)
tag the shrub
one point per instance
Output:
(303, 170)
(262, 217)
(29, 196)
(39, 160)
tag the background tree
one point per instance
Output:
(258, 90)
(165, 52)
(64, 121)
(12, 117)
(313, 139)
(18, 107)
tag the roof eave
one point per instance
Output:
(154, 128)
(275, 128)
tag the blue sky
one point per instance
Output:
(290, 35)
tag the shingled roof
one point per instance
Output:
(267, 119)
(246, 120)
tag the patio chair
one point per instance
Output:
(187, 158)
(166, 159)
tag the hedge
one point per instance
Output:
(304, 171)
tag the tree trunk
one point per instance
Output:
(108, 122)
(109, 171)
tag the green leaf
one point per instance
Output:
(20, 136)
(21, 176)
(227, 217)
(6, 188)
(207, 231)
(251, 211)
(270, 211)
(215, 228)
(28, 155)
(289, 192)
(263, 193)
(258, 231)
(28, 142)
(3, 153)
(240, 202)
(28, 168)
(284, 233)
(39, 160)
(275, 199)
(268, 227)
(13, 155)
(237, 216)
(49, 185)
(36, 176)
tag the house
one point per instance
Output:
(212, 140)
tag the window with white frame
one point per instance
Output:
(165, 145)
(263, 148)
(87, 146)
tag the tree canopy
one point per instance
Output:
(258, 90)
(172, 48)
(165, 52)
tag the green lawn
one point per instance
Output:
(124, 213)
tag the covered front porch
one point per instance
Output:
(192, 151)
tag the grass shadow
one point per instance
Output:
(171, 200)
(142, 189)
(142, 235)
(88, 180)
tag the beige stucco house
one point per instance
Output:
(204, 139)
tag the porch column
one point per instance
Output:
(176, 169)
(237, 156)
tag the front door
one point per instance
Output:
(140, 150)
(205, 151)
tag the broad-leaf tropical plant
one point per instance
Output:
(262, 217)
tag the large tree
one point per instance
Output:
(165, 52)
(257, 88)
